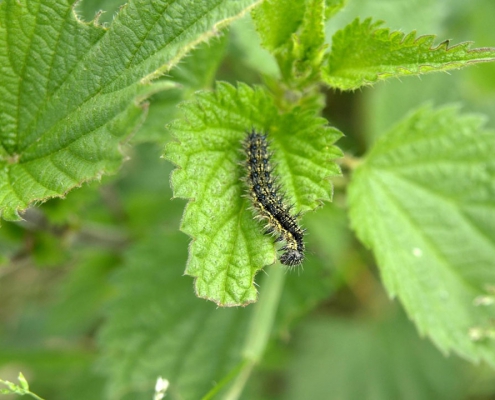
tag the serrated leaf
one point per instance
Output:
(310, 42)
(155, 327)
(228, 246)
(423, 201)
(196, 71)
(70, 92)
(363, 53)
(295, 34)
(277, 20)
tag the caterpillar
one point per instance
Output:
(269, 201)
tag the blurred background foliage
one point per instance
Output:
(93, 300)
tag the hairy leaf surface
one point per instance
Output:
(228, 246)
(363, 53)
(423, 201)
(70, 92)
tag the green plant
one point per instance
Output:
(421, 197)
(21, 389)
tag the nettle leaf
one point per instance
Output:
(423, 201)
(309, 46)
(277, 20)
(70, 92)
(195, 71)
(363, 53)
(295, 34)
(147, 333)
(229, 246)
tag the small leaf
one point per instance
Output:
(295, 34)
(310, 43)
(362, 54)
(23, 382)
(332, 7)
(71, 92)
(229, 246)
(422, 200)
(277, 20)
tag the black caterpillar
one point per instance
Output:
(268, 200)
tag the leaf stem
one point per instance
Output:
(260, 327)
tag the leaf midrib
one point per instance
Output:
(99, 89)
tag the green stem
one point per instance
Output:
(231, 375)
(35, 396)
(260, 327)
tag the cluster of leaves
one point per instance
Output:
(421, 198)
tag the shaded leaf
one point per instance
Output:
(366, 359)
(149, 333)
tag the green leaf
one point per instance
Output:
(373, 360)
(277, 20)
(229, 246)
(22, 380)
(423, 201)
(310, 44)
(332, 7)
(295, 33)
(155, 327)
(73, 367)
(21, 390)
(195, 72)
(246, 52)
(77, 305)
(362, 54)
(70, 92)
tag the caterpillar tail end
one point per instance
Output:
(292, 258)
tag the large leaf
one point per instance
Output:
(70, 91)
(373, 360)
(196, 71)
(229, 246)
(423, 201)
(363, 53)
(156, 327)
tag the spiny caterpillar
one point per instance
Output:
(268, 200)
